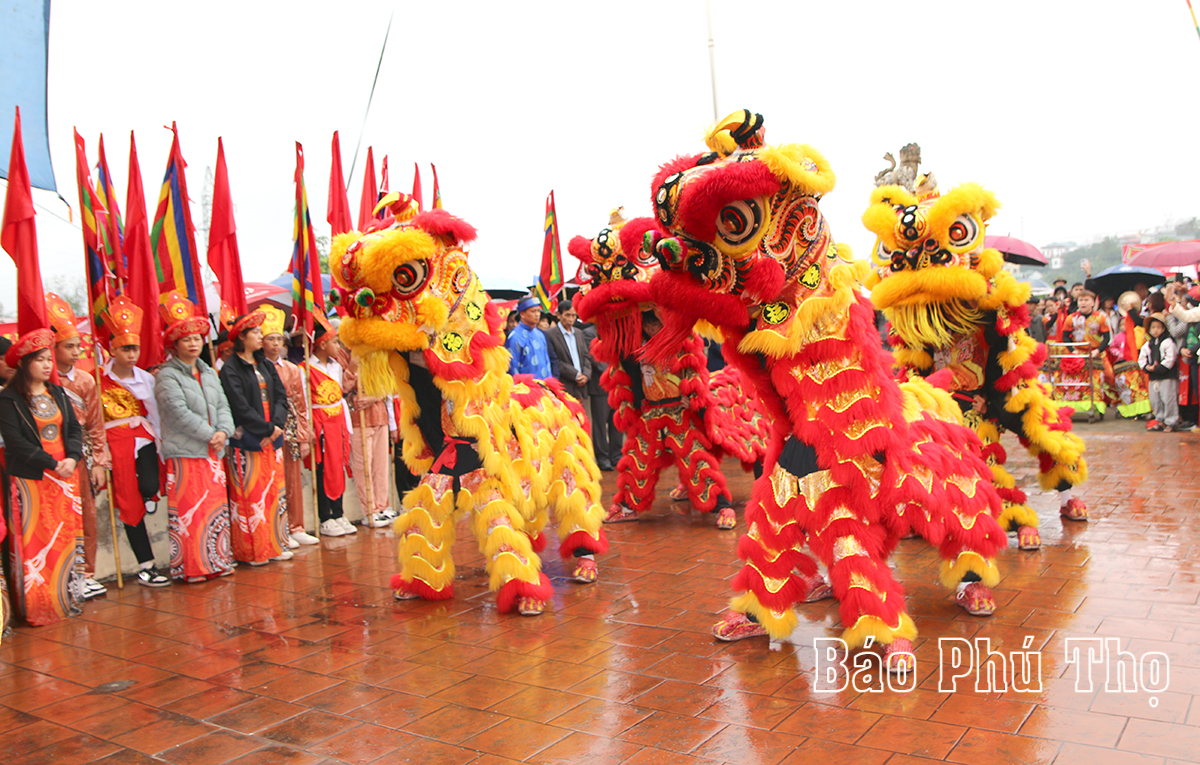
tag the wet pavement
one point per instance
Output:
(312, 661)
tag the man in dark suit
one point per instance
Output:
(574, 359)
(606, 438)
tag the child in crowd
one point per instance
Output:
(331, 430)
(81, 389)
(296, 434)
(1158, 357)
(131, 425)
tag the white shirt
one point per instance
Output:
(334, 370)
(141, 385)
(572, 347)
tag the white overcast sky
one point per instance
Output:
(1081, 116)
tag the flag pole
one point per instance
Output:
(312, 425)
(1193, 12)
(112, 513)
(712, 57)
(366, 458)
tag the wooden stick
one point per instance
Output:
(366, 459)
(112, 519)
(312, 427)
(112, 511)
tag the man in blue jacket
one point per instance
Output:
(527, 344)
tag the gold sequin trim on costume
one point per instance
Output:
(846, 547)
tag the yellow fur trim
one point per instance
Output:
(828, 310)
(928, 285)
(920, 397)
(1014, 515)
(871, 626)
(777, 624)
(801, 164)
(709, 331)
(953, 571)
(376, 333)
(965, 199)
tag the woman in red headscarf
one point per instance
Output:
(258, 401)
(196, 422)
(43, 443)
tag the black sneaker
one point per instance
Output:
(152, 577)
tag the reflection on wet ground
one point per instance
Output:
(312, 661)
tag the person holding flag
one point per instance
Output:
(258, 401)
(132, 427)
(85, 400)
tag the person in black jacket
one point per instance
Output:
(258, 401)
(43, 443)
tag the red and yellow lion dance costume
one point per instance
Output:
(673, 412)
(498, 448)
(952, 306)
(856, 461)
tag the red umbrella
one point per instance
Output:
(258, 293)
(1163, 254)
(1015, 250)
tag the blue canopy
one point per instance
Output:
(24, 37)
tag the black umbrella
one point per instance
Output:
(1113, 281)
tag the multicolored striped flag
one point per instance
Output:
(550, 281)
(93, 220)
(308, 296)
(173, 237)
(437, 192)
(114, 234)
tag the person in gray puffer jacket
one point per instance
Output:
(196, 423)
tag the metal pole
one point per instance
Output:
(712, 59)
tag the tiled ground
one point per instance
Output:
(311, 661)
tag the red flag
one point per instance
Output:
(308, 294)
(18, 237)
(437, 192)
(142, 286)
(114, 233)
(223, 255)
(338, 210)
(383, 178)
(417, 187)
(366, 204)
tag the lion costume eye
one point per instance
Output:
(738, 222)
(963, 231)
(409, 278)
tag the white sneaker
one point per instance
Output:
(304, 538)
(93, 589)
(285, 555)
(331, 528)
(382, 520)
(346, 525)
(292, 543)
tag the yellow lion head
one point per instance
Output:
(932, 267)
(398, 286)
